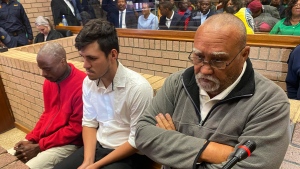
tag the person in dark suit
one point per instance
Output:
(200, 15)
(111, 7)
(59, 8)
(126, 18)
(169, 20)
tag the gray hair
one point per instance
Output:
(44, 21)
(52, 50)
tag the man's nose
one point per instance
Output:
(206, 69)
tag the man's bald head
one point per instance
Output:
(225, 24)
(52, 51)
(51, 59)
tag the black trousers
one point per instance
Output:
(134, 161)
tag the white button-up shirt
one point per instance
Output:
(115, 109)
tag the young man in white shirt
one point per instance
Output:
(113, 97)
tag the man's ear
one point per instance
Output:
(246, 52)
(114, 54)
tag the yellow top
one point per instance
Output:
(247, 20)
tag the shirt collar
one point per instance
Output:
(122, 11)
(224, 93)
(119, 79)
(206, 13)
(171, 16)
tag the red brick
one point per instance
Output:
(175, 45)
(292, 154)
(16, 165)
(152, 44)
(141, 43)
(146, 59)
(170, 55)
(289, 165)
(157, 44)
(6, 159)
(2, 150)
(138, 51)
(169, 45)
(161, 61)
(264, 53)
(136, 42)
(296, 135)
(146, 43)
(189, 46)
(182, 46)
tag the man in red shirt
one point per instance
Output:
(57, 134)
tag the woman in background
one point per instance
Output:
(147, 20)
(289, 25)
(46, 30)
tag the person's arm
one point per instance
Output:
(26, 23)
(293, 74)
(265, 121)
(213, 153)
(168, 147)
(26, 150)
(119, 153)
(155, 23)
(90, 125)
(89, 142)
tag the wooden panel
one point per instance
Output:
(6, 116)
(263, 40)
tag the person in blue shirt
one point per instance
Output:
(147, 20)
(15, 29)
(293, 75)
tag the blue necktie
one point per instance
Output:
(121, 20)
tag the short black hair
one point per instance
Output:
(101, 31)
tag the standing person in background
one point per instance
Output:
(147, 20)
(64, 7)
(57, 134)
(85, 6)
(113, 99)
(293, 74)
(14, 24)
(291, 24)
(112, 11)
(46, 29)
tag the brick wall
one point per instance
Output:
(162, 58)
(23, 82)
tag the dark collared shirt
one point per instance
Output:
(13, 18)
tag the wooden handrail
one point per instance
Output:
(261, 40)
